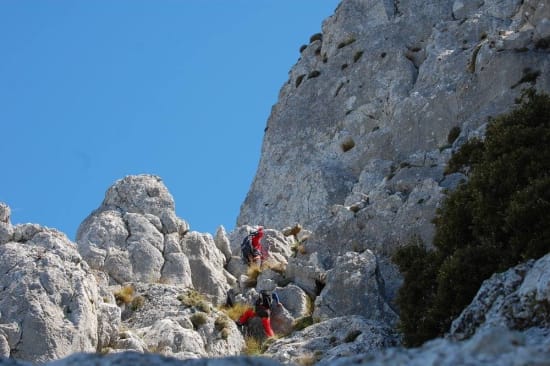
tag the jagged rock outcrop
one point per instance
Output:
(517, 299)
(355, 287)
(135, 235)
(507, 323)
(49, 301)
(331, 339)
(173, 320)
(492, 346)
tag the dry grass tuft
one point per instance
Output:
(124, 295)
(193, 298)
(235, 312)
(252, 346)
(198, 319)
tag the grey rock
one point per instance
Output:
(49, 298)
(5, 213)
(295, 300)
(282, 322)
(138, 359)
(175, 321)
(6, 228)
(222, 243)
(464, 8)
(516, 299)
(135, 235)
(109, 321)
(326, 341)
(453, 180)
(207, 265)
(142, 194)
(308, 276)
(491, 346)
(355, 287)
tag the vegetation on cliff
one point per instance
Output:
(494, 221)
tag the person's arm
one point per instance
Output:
(249, 313)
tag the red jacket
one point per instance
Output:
(266, 322)
(257, 245)
(256, 240)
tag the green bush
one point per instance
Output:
(496, 220)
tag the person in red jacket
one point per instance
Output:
(261, 310)
(258, 255)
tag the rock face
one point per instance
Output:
(176, 321)
(517, 299)
(49, 301)
(355, 287)
(359, 137)
(507, 323)
(135, 235)
(352, 167)
(330, 340)
(355, 149)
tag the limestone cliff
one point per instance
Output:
(369, 107)
(355, 148)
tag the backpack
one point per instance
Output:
(246, 247)
(264, 304)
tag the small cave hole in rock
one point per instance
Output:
(347, 145)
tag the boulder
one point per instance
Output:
(6, 229)
(49, 304)
(331, 339)
(517, 299)
(490, 346)
(175, 321)
(295, 300)
(135, 235)
(207, 265)
(355, 287)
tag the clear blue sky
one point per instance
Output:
(92, 91)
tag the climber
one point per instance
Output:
(252, 250)
(262, 309)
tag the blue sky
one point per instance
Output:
(92, 91)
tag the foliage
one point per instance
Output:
(137, 303)
(234, 312)
(252, 273)
(124, 295)
(193, 298)
(496, 220)
(222, 324)
(252, 346)
(199, 318)
(303, 322)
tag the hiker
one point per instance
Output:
(252, 250)
(262, 309)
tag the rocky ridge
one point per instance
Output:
(351, 168)
(54, 306)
